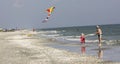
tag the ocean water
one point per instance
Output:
(68, 38)
(111, 33)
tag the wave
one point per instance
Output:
(107, 42)
(49, 32)
(56, 35)
(90, 35)
(112, 42)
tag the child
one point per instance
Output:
(82, 38)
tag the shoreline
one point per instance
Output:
(25, 47)
(109, 53)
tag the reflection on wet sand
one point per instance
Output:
(83, 49)
(100, 53)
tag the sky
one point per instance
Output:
(31, 13)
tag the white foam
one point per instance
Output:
(24, 43)
(16, 37)
(71, 39)
(112, 42)
(52, 31)
(90, 35)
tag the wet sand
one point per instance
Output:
(22, 47)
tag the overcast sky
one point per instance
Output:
(31, 13)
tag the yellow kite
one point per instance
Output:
(50, 10)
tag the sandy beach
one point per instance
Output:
(21, 47)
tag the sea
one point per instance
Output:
(68, 38)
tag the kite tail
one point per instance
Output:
(49, 14)
(46, 19)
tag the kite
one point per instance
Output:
(49, 11)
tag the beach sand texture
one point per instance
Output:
(21, 47)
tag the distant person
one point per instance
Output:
(82, 38)
(33, 29)
(99, 33)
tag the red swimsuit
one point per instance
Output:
(82, 38)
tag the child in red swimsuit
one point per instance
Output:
(82, 38)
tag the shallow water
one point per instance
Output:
(68, 38)
(107, 53)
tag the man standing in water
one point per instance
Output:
(99, 33)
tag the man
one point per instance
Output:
(99, 33)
